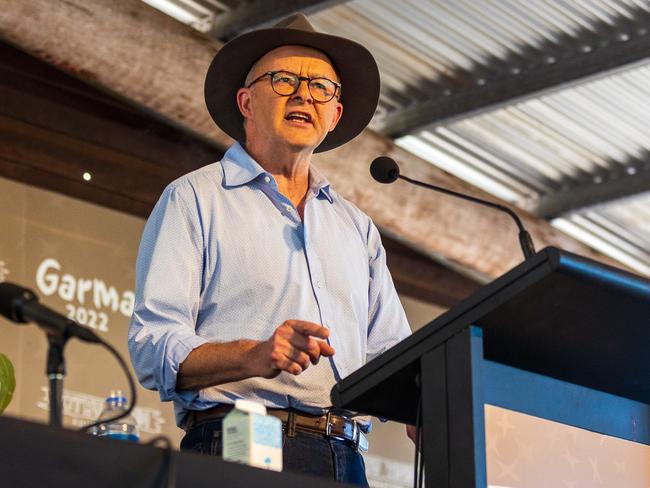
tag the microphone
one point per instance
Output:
(20, 305)
(385, 170)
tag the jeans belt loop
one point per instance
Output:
(328, 425)
(291, 424)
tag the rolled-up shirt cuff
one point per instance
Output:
(174, 356)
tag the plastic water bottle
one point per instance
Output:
(125, 428)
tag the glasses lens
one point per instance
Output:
(322, 89)
(285, 83)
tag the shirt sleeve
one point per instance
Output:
(387, 323)
(169, 272)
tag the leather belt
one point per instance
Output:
(329, 425)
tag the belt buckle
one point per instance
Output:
(358, 439)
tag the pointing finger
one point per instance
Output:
(325, 349)
(309, 329)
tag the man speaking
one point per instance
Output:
(255, 279)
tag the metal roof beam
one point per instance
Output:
(498, 82)
(255, 14)
(596, 192)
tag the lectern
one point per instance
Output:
(559, 337)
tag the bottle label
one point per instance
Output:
(122, 436)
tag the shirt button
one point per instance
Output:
(267, 179)
(318, 284)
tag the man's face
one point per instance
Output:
(273, 119)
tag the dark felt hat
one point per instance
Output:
(355, 65)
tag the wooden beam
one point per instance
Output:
(552, 66)
(256, 14)
(417, 276)
(130, 48)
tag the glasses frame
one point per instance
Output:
(271, 74)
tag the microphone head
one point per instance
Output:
(384, 169)
(12, 299)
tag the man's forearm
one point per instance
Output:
(216, 363)
(291, 348)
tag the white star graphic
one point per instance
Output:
(595, 472)
(505, 424)
(492, 445)
(525, 451)
(507, 470)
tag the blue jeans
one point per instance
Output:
(305, 453)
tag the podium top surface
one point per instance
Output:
(556, 314)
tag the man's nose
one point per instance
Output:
(303, 92)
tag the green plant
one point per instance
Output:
(7, 382)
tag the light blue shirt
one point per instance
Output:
(225, 256)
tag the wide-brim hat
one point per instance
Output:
(357, 69)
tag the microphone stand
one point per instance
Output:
(525, 240)
(20, 305)
(55, 371)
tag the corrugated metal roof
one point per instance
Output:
(548, 144)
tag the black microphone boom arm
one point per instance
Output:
(385, 170)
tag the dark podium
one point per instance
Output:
(559, 337)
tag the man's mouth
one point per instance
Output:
(299, 117)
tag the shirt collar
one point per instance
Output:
(319, 184)
(239, 168)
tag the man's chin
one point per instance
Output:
(303, 143)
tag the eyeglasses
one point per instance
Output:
(286, 84)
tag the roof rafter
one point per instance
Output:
(598, 191)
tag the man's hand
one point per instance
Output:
(292, 347)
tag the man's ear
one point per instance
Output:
(337, 116)
(244, 102)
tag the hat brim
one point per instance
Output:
(357, 69)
